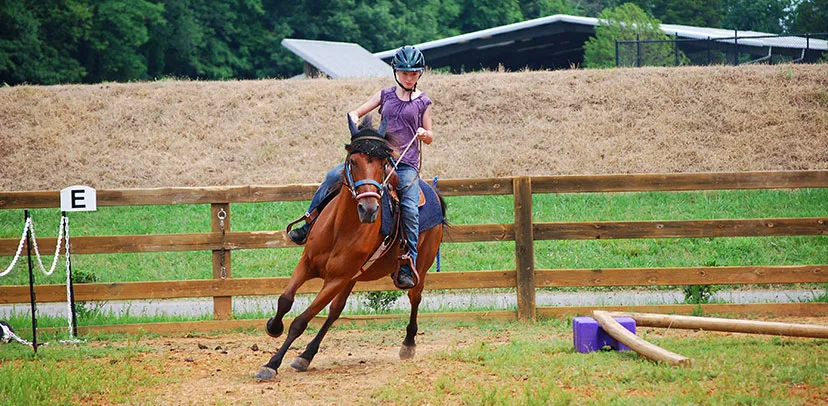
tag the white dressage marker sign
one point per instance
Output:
(78, 198)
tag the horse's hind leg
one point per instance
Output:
(301, 362)
(409, 347)
(298, 326)
(275, 326)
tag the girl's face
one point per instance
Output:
(408, 79)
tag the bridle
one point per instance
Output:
(352, 186)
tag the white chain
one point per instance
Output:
(19, 248)
(8, 335)
(57, 249)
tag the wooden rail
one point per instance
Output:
(523, 232)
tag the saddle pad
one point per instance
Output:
(431, 214)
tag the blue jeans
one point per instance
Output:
(409, 198)
(331, 179)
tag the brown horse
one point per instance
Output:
(343, 239)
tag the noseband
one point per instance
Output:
(352, 186)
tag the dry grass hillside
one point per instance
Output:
(186, 133)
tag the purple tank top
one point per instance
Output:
(404, 118)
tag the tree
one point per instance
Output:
(39, 40)
(478, 15)
(542, 8)
(811, 16)
(757, 15)
(112, 50)
(702, 13)
(627, 22)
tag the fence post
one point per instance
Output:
(638, 50)
(524, 249)
(675, 49)
(735, 48)
(616, 53)
(222, 305)
(708, 51)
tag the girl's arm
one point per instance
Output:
(372, 103)
(424, 133)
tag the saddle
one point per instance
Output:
(430, 216)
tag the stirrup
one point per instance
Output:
(415, 276)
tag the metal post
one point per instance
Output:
(616, 53)
(435, 188)
(807, 45)
(675, 49)
(708, 51)
(31, 282)
(69, 278)
(736, 47)
(638, 49)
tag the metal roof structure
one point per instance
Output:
(337, 59)
(557, 42)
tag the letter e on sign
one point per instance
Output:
(78, 198)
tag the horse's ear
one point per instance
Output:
(383, 124)
(351, 125)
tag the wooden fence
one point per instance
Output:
(524, 231)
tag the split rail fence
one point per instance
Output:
(524, 231)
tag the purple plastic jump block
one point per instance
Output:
(588, 336)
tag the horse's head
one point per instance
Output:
(365, 167)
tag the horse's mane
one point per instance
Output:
(369, 142)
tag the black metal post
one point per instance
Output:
(675, 49)
(616, 53)
(708, 51)
(807, 46)
(735, 47)
(69, 277)
(638, 49)
(31, 282)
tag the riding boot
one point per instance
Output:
(405, 277)
(299, 235)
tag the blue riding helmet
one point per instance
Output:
(409, 59)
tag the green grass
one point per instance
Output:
(538, 366)
(71, 374)
(455, 256)
(485, 363)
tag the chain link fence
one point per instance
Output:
(735, 50)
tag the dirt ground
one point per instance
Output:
(352, 366)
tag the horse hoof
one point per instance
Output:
(407, 352)
(274, 327)
(266, 373)
(300, 364)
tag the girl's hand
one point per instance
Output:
(424, 135)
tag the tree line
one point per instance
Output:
(92, 41)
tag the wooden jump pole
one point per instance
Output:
(730, 325)
(637, 344)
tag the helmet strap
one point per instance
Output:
(410, 91)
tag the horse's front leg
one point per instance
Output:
(301, 362)
(299, 324)
(275, 326)
(428, 247)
